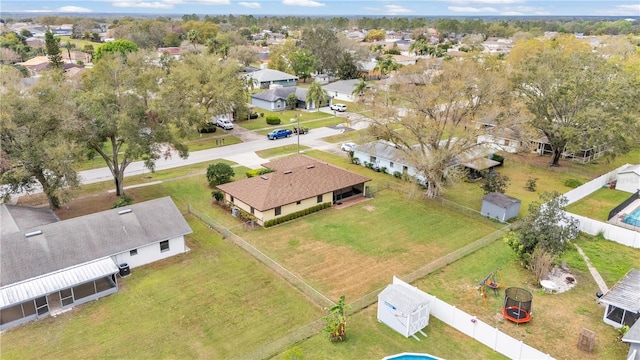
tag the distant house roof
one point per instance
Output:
(296, 178)
(84, 239)
(281, 93)
(383, 149)
(170, 50)
(341, 86)
(502, 200)
(630, 169)
(626, 293)
(267, 75)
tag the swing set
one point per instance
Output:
(494, 281)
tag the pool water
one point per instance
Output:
(633, 218)
(411, 356)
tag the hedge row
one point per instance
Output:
(273, 120)
(296, 214)
(257, 172)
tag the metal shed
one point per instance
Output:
(623, 301)
(500, 206)
(404, 308)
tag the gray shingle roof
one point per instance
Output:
(266, 75)
(502, 200)
(296, 178)
(15, 218)
(87, 238)
(342, 86)
(383, 149)
(282, 93)
(626, 293)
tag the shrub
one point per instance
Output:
(209, 127)
(217, 194)
(273, 120)
(219, 173)
(531, 184)
(296, 214)
(123, 201)
(496, 157)
(253, 116)
(384, 170)
(355, 161)
(397, 174)
(261, 114)
(494, 182)
(258, 172)
(573, 183)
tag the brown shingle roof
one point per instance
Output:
(296, 178)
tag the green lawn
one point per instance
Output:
(520, 167)
(213, 302)
(281, 150)
(285, 117)
(78, 42)
(598, 204)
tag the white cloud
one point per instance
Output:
(630, 10)
(144, 4)
(494, 2)
(74, 9)
(214, 2)
(523, 11)
(307, 3)
(250, 5)
(470, 9)
(396, 10)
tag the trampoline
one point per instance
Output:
(517, 305)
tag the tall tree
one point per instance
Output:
(303, 63)
(386, 65)
(53, 50)
(280, 56)
(69, 45)
(35, 149)
(316, 95)
(347, 68)
(122, 47)
(122, 115)
(438, 129)
(577, 98)
(213, 88)
(324, 45)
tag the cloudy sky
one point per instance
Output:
(627, 8)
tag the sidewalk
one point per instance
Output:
(594, 272)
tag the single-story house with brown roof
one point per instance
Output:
(297, 183)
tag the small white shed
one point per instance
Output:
(404, 308)
(628, 179)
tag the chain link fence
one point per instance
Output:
(313, 328)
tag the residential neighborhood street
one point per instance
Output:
(243, 153)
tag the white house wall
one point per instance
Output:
(150, 253)
(499, 144)
(392, 166)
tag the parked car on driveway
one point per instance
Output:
(339, 107)
(279, 133)
(348, 146)
(224, 123)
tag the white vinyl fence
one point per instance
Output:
(477, 329)
(594, 227)
(593, 185)
(610, 232)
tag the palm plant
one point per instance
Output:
(337, 321)
(316, 95)
(360, 88)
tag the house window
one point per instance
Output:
(405, 169)
(164, 246)
(319, 199)
(278, 210)
(133, 252)
(298, 202)
(252, 211)
(506, 142)
(391, 164)
(372, 159)
(231, 198)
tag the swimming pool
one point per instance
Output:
(411, 356)
(633, 218)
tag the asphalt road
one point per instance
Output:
(243, 153)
